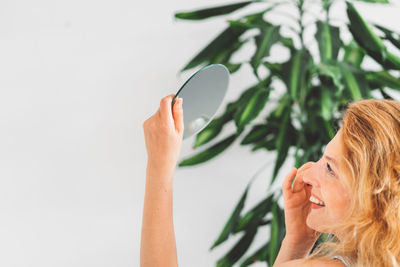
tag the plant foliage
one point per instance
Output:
(317, 88)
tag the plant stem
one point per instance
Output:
(300, 5)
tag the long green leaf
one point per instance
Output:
(352, 85)
(264, 136)
(367, 39)
(254, 216)
(209, 153)
(233, 67)
(281, 223)
(284, 102)
(277, 232)
(239, 249)
(294, 72)
(326, 104)
(257, 133)
(385, 95)
(264, 41)
(392, 61)
(329, 129)
(353, 54)
(329, 42)
(355, 82)
(268, 144)
(382, 79)
(246, 99)
(332, 71)
(213, 129)
(287, 42)
(260, 254)
(274, 235)
(211, 12)
(225, 55)
(246, 113)
(363, 33)
(295, 75)
(275, 69)
(233, 220)
(209, 132)
(219, 47)
(282, 144)
(390, 35)
(255, 20)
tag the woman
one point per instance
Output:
(352, 192)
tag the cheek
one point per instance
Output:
(338, 203)
(338, 210)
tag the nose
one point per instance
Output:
(310, 175)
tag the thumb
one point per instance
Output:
(178, 115)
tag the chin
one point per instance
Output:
(310, 223)
(315, 223)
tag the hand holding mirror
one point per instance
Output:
(202, 95)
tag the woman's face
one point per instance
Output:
(326, 186)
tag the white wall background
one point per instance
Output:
(77, 80)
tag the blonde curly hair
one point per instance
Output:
(370, 234)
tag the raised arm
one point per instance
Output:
(163, 134)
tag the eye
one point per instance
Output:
(330, 169)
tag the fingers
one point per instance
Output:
(173, 117)
(178, 115)
(297, 175)
(287, 183)
(298, 183)
(165, 110)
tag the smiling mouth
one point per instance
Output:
(316, 201)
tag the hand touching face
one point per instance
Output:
(297, 207)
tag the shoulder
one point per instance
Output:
(311, 263)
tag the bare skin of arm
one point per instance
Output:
(163, 134)
(158, 246)
(311, 263)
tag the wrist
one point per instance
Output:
(162, 160)
(306, 244)
(160, 168)
(294, 250)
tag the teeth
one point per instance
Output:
(316, 201)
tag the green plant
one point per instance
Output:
(317, 87)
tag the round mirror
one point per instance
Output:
(202, 95)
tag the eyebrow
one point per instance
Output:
(333, 160)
